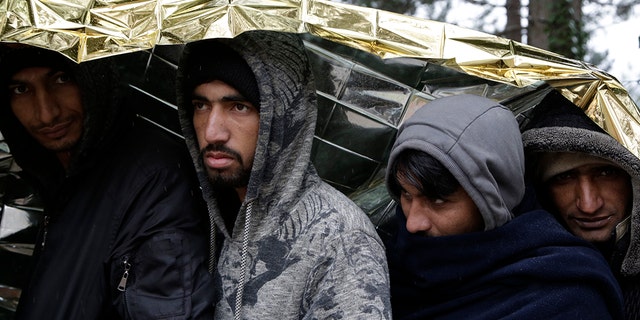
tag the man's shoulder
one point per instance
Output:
(335, 208)
(143, 151)
(537, 224)
(539, 229)
(153, 145)
(332, 199)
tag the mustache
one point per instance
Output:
(221, 148)
(52, 124)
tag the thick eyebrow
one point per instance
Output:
(607, 167)
(13, 81)
(570, 171)
(52, 72)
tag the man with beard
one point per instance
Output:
(591, 183)
(123, 233)
(457, 171)
(288, 245)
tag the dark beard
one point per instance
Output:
(235, 179)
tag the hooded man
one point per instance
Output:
(591, 183)
(122, 234)
(288, 245)
(457, 171)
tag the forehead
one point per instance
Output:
(32, 74)
(405, 182)
(594, 167)
(217, 90)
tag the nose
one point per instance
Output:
(216, 130)
(47, 107)
(588, 195)
(417, 219)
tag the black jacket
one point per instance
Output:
(125, 232)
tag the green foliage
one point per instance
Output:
(565, 30)
(565, 27)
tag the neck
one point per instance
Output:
(65, 159)
(242, 192)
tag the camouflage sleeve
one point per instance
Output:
(352, 282)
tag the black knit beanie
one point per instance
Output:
(210, 60)
(557, 111)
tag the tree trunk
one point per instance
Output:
(581, 34)
(513, 29)
(538, 19)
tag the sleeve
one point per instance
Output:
(352, 282)
(158, 270)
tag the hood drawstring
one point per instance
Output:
(243, 261)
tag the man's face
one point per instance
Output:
(457, 214)
(48, 104)
(226, 126)
(591, 199)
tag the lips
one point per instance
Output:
(218, 160)
(56, 131)
(592, 223)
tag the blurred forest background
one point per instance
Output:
(561, 26)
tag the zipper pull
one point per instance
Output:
(123, 281)
(44, 233)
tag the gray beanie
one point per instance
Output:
(553, 163)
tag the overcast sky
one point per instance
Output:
(622, 40)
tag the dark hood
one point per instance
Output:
(557, 125)
(99, 85)
(287, 121)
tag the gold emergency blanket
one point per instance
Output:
(91, 29)
(366, 97)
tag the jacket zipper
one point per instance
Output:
(243, 259)
(44, 231)
(122, 286)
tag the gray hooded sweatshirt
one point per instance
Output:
(488, 164)
(298, 249)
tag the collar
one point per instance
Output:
(622, 228)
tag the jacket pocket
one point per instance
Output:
(151, 283)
